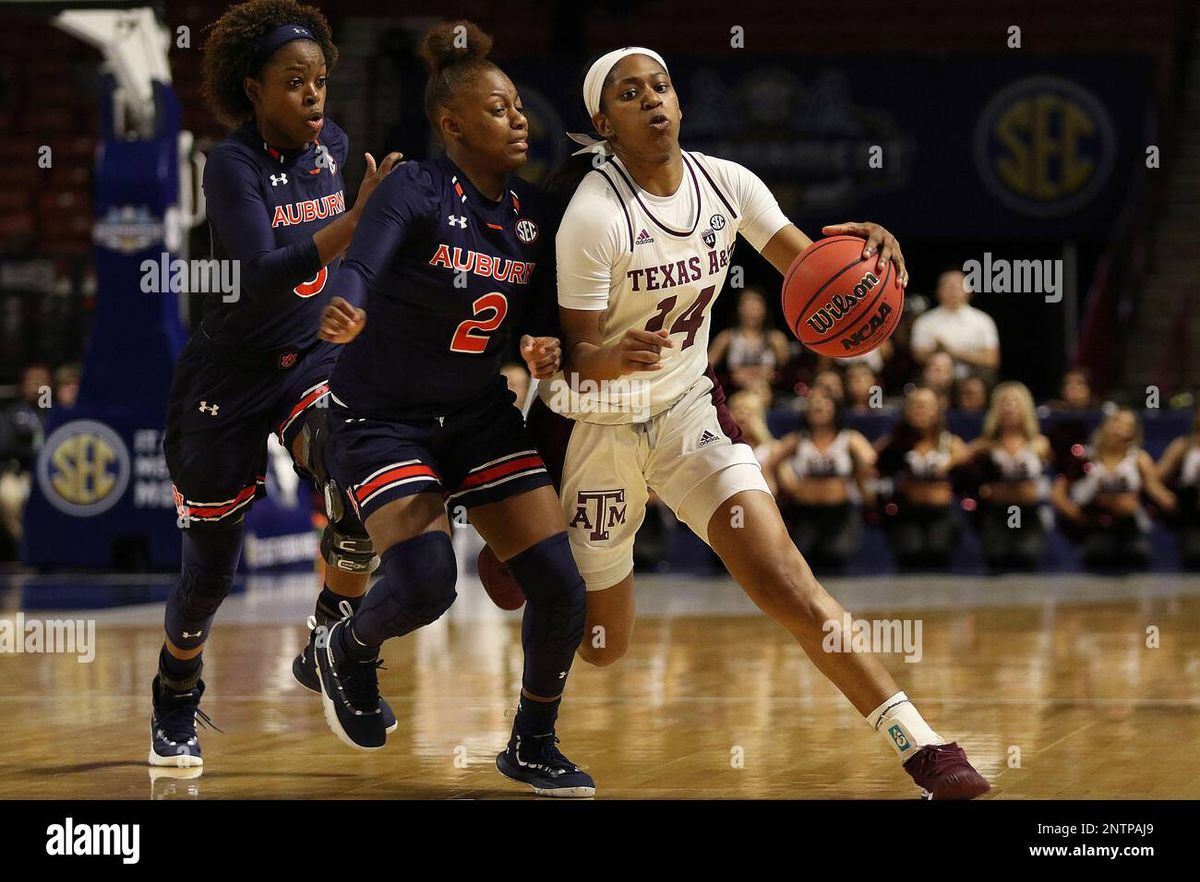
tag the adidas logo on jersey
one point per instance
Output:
(707, 438)
(644, 238)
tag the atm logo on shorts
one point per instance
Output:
(598, 511)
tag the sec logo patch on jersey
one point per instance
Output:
(527, 231)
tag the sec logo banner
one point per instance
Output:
(83, 468)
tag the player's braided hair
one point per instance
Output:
(231, 53)
(455, 53)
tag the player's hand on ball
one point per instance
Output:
(341, 322)
(376, 174)
(641, 350)
(543, 355)
(878, 240)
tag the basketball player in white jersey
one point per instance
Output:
(643, 251)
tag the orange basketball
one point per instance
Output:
(836, 303)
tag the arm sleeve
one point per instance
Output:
(588, 243)
(241, 221)
(541, 314)
(401, 199)
(761, 216)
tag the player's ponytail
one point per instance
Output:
(454, 52)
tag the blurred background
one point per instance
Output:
(1063, 131)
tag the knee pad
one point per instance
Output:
(555, 592)
(417, 587)
(345, 544)
(210, 559)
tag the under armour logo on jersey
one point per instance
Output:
(707, 438)
(325, 159)
(458, 221)
(210, 409)
(187, 634)
(276, 180)
(644, 238)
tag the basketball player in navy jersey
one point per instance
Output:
(255, 366)
(451, 256)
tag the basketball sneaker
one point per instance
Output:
(173, 739)
(498, 581)
(943, 772)
(304, 669)
(349, 690)
(536, 760)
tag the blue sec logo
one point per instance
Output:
(83, 468)
(1044, 146)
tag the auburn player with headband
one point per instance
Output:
(451, 256)
(277, 209)
(643, 251)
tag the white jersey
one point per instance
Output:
(654, 262)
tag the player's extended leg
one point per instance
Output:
(210, 557)
(417, 587)
(748, 533)
(345, 545)
(528, 533)
(609, 630)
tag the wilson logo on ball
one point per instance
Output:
(840, 306)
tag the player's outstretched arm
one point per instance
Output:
(591, 359)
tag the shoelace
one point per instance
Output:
(179, 724)
(360, 682)
(545, 751)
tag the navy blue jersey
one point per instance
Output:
(447, 276)
(264, 205)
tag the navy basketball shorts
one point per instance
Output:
(220, 414)
(476, 455)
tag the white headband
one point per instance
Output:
(593, 83)
(593, 86)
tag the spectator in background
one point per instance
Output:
(902, 367)
(830, 382)
(750, 354)
(1075, 393)
(1009, 460)
(22, 438)
(749, 411)
(1179, 469)
(66, 384)
(860, 380)
(919, 457)
(1100, 497)
(1071, 412)
(938, 376)
(971, 394)
(817, 469)
(966, 334)
(518, 382)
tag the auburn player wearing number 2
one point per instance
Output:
(643, 250)
(451, 256)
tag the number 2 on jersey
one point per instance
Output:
(689, 321)
(471, 335)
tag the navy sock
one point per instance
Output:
(176, 674)
(354, 647)
(536, 717)
(329, 603)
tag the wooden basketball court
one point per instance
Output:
(1047, 682)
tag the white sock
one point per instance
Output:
(898, 721)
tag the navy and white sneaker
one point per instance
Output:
(349, 691)
(173, 739)
(536, 760)
(304, 669)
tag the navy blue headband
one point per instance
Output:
(273, 39)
